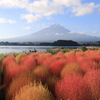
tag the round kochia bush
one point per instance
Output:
(73, 88)
(41, 73)
(93, 80)
(33, 91)
(18, 82)
(71, 69)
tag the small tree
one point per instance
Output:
(83, 48)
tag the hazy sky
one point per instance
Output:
(23, 17)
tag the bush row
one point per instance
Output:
(44, 76)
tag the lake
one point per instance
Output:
(18, 49)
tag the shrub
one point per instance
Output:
(93, 80)
(73, 88)
(71, 69)
(87, 65)
(71, 57)
(79, 54)
(18, 82)
(47, 61)
(57, 66)
(19, 56)
(41, 59)
(51, 82)
(83, 48)
(34, 91)
(10, 68)
(34, 54)
(28, 62)
(42, 73)
(8, 60)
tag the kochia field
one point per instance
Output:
(43, 76)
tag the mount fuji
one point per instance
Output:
(53, 33)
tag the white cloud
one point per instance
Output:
(95, 32)
(7, 36)
(82, 32)
(68, 3)
(59, 34)
(46, 8)
(13, 3)
(83, 9)
(11, 21)
(2, 20)
(31, 18)
(26, 28)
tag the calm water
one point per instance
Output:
(7, 49)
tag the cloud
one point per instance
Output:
(83, 9)
(46, 8)
(27, 28)
(95, 32)
(31, 18)
(82, 32)
(59, 34)
(13, 3)
(3, 20)
(11, 21)
(7, 36)
(68, 3)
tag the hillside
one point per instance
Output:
(65, 43)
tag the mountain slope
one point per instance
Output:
(53, 33)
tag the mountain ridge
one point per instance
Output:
(51, 34)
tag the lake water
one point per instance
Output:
(7, 49)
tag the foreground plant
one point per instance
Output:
(73, 88)
(33, 91)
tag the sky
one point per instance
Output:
(23, 17)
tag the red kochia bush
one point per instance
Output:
(59, 55)
(57, 66)
(41, 59)
(93, 80)
(71, 58)
(28, 62)
(10, 69)
(73, 88)
(8, 60)
(87, 65)
(47, 61)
